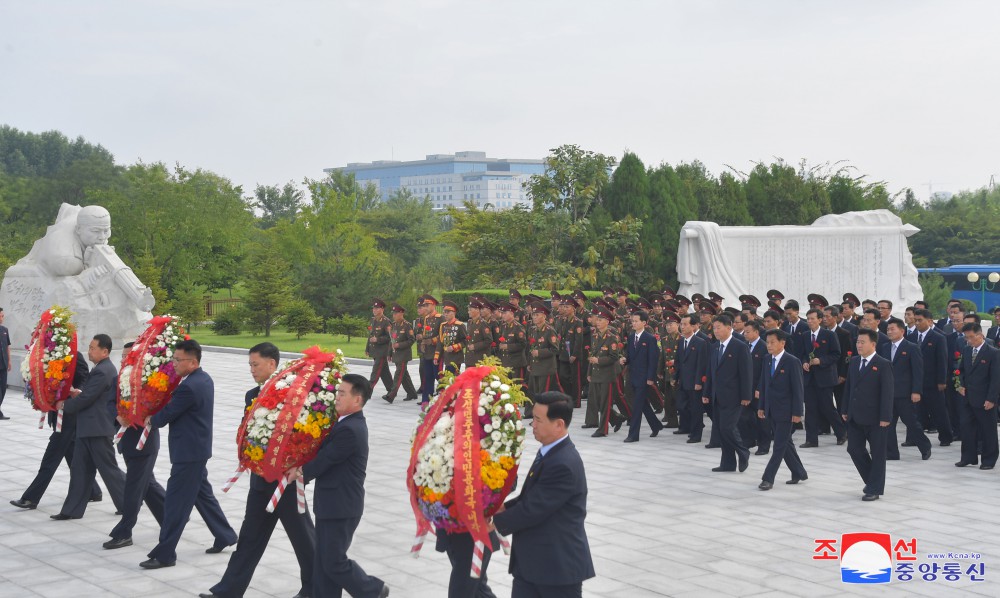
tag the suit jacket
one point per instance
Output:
(759, 359)
(846, 349)
(868, 394)
(339, 470)
(934, 353)
(547, 519)
(189, 413)
(828, 352)
(993, 334)
(907, 369)
(852, 328)
(796, 331)
(642, 358)
(782, 394)
(981, 377)
(730, 377)
(79, 379)
(97, 399)
(691, 363)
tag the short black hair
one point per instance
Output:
(744, 317)
(874, 312)
(911, 309)
(921, 303)
(103, 341)
(896, 322)
(885, 301)
(266, 350)
(871, 334)
(723, 319)
(643, 315)
(954, 302)
(972, 327)
(923, 313)
(773, 315)
(817, 311)
(128, 345)
(692, 319)
(972, 315)
(754, 324)
(833, 309)
(560, 406)
(778, 332)
(359, 386)
(191, 347)
(792, 304)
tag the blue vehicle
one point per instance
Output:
(976, 282)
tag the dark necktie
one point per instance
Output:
(920, 338)
(975, 351)
(864, 363)
(774, 365)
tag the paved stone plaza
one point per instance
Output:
(660, 522)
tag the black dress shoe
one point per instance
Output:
(964, 463)
(946, 443)
(796, 480)
(96, 499)
(155, 564)
(117, 543)
(62, 517)
(765, 485)
(711, 446)
(618, 426)
(869, 497)
(216, 549)
(985, 466)
(413, 398)
(669, 424)
(909, 444)
(841, 440)
(926, 456)
(762, 452)
(631, 440)
(2, 416)
(809, 445)
(24, 504)
(694, 440)
(598, 434)
(654, 433)
(744, 463)
(721, 469)
(388, 399)
(209, 595)
(680, 432)
(588, 426)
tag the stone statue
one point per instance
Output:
(73, 266)
(859, 252)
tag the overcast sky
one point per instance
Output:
(271, 92)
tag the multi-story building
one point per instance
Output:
(451, 179)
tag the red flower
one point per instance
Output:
(704, 378)
(427, 328)
(958, 372)
(503, 340)
(531, 340)
(958, 354)
(849, 353)
(393, 335)
(369, 328)
(815, 345)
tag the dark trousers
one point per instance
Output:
(60, 447)
(140, 485)
(90, 455)
(3, 384)
(727, 419)
(428, 377)
(933, 402)
(819, 404)
(641, 408)
(952, 402)
(188, 488)
(402, 378)
(255, 533)
(333, 572)
(669, 404)
(569, 380)
(458, 547)
(526, 589)
(380, 371)
(784, 450)
(903, 409)
(871, 465)
(691, 412)
(978, 426)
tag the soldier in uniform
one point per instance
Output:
(669, 335)
(543, 346)
(426, 335)
(379, 346)
(580, 304)
(514, 297)
(452, 338)
(480, 335)
(601, 375)
(622, 310)
(570, 330)
(401, 332)
(511, 340)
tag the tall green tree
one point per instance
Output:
(573, 181)
(275, 204)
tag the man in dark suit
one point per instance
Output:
(92, 406)
(550, 554)
(820, 355)
(140, 485)
(782, 403)
(831, 315)
(871, 320)
(189, 413)
(59, 447)
(5, 362)
(753, 430)
(993, 334)
(885, 312)
(934, 351)
(908, 379)
(642, 355)
(868, 410)
(692, 355)
(258, 524)
(794, 325)
(339, 470)
(980, 391)
(729, 388)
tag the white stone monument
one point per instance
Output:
(73, 266)
(864, 253)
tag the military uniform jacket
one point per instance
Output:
(402, 335)
(545, 340)
(426, 335)
(456, 337)
(480, 334)
(570, 332)
(512, 335)
(606, 348)
(378, 329)
(668, 353)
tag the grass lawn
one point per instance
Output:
(285, 341)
